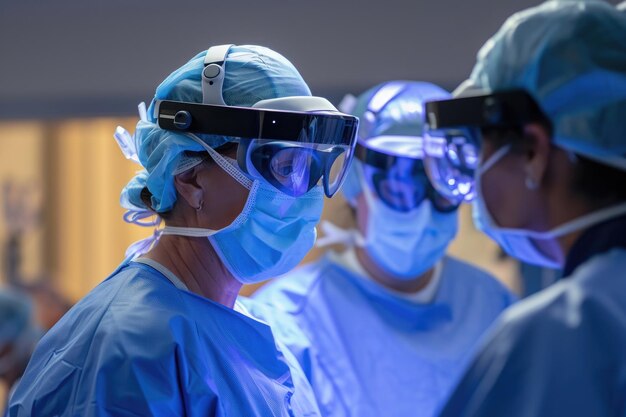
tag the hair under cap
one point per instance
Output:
(571, 56)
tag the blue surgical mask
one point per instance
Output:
(406, 244)
(513, 241)
(519, 242)
(270, 236)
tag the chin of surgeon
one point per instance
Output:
(385, 327)
(537, 137)
(236, 157)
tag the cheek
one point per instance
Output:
(505, 194)
(226, 199)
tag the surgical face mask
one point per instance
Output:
(406, 243)
(270, 236)
(519, 242)
(278, 231)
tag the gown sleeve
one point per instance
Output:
(545, 360)
(125, 373)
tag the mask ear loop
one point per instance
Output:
(230, 166)
(497, 156)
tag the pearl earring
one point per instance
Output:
(531, 184)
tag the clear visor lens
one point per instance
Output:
(336, 173)
(291, 169)
(296, 167)
(450, 162)
(401, 187)
(334, 145)
(404, 186)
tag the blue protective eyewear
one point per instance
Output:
(400, 182)
(290, 150)
(453, 137)
(294, 168)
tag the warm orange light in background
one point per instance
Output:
(21, 161)
(88, 171)
(81, 171)
(82, 236)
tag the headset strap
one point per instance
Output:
(213, 74)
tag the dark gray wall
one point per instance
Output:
(81, 57)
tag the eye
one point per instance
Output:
(288, 161)
(291, 167)
(282, 167)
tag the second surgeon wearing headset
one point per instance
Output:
(164, 335)
(387, 326)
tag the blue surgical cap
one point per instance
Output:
(252, 73)
(571, 56)
(394, 108)
(15, 316)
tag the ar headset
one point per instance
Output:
(291, 142)
(453, 135)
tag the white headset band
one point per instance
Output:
(213, 74)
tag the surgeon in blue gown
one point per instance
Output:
(386, 327)
(550, 87)
(163, 335)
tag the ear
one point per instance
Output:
(189, 187)
(538, 150)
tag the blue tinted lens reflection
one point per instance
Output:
(405, 188)
(291, 168)
(294, 167)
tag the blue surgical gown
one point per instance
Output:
(368, 352)
(560, 352)
(138, 346)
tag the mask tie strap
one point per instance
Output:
(142, 246)
(577, 224)
(335, 235)
(188, 231)
(497, 156)
(228, 166)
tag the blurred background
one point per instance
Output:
(71, 71)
